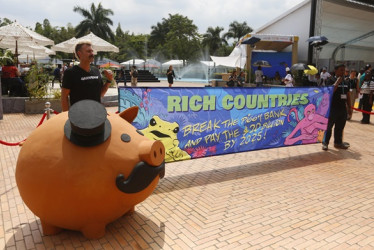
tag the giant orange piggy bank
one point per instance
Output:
(84, 169)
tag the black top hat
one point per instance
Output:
(87, 125)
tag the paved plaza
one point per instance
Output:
(297, 197)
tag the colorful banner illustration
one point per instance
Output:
(199, 122)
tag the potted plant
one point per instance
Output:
(37, 82)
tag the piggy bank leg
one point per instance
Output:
(49, 229)
(94, 231)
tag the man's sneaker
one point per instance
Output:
(325, 146)
(341, 146)
(346, 143)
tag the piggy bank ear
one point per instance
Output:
(129, 114)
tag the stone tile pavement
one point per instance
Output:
(286, 198)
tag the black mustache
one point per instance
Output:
(141, 176)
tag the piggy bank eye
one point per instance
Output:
(140, 132)
(176, 130)
(125, 138)
(152, 122)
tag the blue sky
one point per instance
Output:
(138, 16)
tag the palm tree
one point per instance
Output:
(213, 40)
(238, 30)
(159, 32)
(96, 21)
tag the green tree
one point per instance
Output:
(159, 32)
(120, 40)
(57, 34)
(64, 33)
(212, 39)
(224, 50)
(157, 40)
(176, 37)
(5, 21)
(119, 33)
(96, 21)
(237, 30)
(130, 46)
(45, 29)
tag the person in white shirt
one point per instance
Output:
(324, 76)
(259, 74)
(288, 80)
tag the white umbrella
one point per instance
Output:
(65, 46)
(18, 34)
(35, 56)
(98, 44)
(28, 48)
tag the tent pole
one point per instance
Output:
(248, 63)
(312, 25)
(295, 47)
(16, 53)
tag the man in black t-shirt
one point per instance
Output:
(338, 109)
(83, 81)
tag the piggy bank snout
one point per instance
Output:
(152, 152)
(151, 165)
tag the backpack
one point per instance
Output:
(135, 74)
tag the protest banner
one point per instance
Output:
(199, 122)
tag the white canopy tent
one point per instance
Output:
(151, 63)
(347, 24)
(106, 60)
(131, 62)
(236, 59)
(173, 63)
(210, 64)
